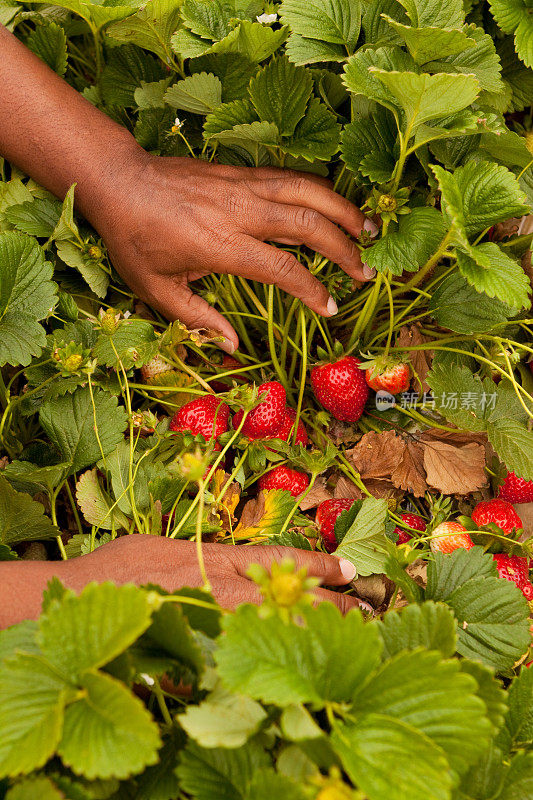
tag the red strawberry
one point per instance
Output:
(265, 420)
(286, 430)
(450, 536)
(498, 511)
(206, 415)
(284, 477)
(341, 388)
(413, 521)
(393, 377)
(515, 489)
(527, 591)
(327, 514)
(512, 568)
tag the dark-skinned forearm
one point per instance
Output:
(54, 135)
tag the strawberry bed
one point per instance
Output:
(396, 434)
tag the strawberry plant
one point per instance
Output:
(382, 433)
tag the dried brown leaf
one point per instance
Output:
(420, 359)
(409, 473)
(317, 495)
(455, 470)
(376, 455)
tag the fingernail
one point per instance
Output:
(348, 570)
(371, 228)
(368, 272)
(332, 307)
(228, 346)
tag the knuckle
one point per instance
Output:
(282, 264)
(307, 219)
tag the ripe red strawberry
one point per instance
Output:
(414, 521)
(266, 419)
(527, 591)
(393, 377)
(341, 388)
(327, 514)
(286, 430)
(284, 477)
(512, 568)
(206, 415)
(450, 536)
(515, 489)
(498, 511)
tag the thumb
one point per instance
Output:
(177, 301)
(331, 570)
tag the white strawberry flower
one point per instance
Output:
(267, 19)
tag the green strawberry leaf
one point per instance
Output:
(133, 344)
(21, 518)
(470, 398)
(49, 42)
(233, 69)
(513, 443)
(280, 93)
(32, 701)
(87, 631)
(458, 306)
(369, 146)
(223, 719)
(491, 612)
(312, 51)
(360, 76)
(316, 136)
(93, 273)
(426, 97)
(389, 760)
(150, 27)
(429, 625)
(288, 665)
(27, 295)
(489, 269)
(205, 773)
(124, 736)
(518, 727)
(200, 93)
(434, 697)
(251, 40)
(365, 543)
(514, 16)
(40, 787)
(36, 217)
(427, 44)
(435, 14)
(482, 61)
(96, 505)
(334, 21)
(31, 478)
(84, 426)
(416, 239)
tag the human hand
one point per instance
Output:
(172, 564)
(173, 220)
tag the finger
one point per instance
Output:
(344, 602)
(296, 189)
(302, 225)
(280, 173)
(267, 264)
(331, 570)
(233, 592)
(176, 301)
